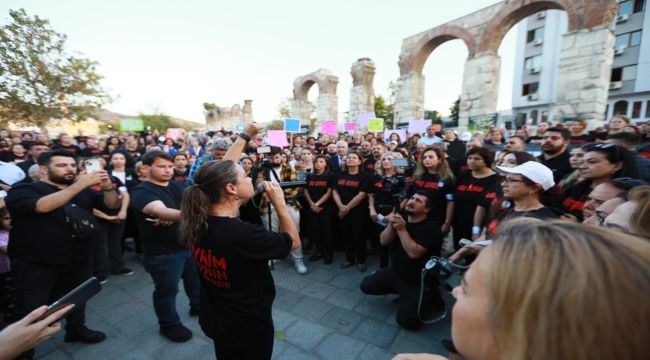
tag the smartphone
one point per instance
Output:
(77, 296)
(92, 165)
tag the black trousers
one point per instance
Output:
(321, 230)
(41, 284)
(385, 281)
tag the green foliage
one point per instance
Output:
(284, 109)
(160, 122)
(455, 109)
(385, 111)
(275, 125)
(38, 79)
(433, 115)
(209, 106)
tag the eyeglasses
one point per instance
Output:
(511, 180)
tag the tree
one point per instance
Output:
(433, 115)
(385, 111)
(158, 121)
(275, 125)
(39, 80)
(284, 108)
(455, 109)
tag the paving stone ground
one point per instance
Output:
(320, 315)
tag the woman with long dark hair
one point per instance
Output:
(232, 256)
(318, 193)
(433, 174)
(349, 194)
(601, 162)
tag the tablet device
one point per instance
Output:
(77, 296)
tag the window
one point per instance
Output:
(635, 38)
(533, 62)
(636, 109)
(647, 109)
(535, 34)
(630, 6)
(625, 73)
(544, 116)
(533, 115)
(625, 7)
(530, 88)
(629, 73)
(620, 107)
(628, 40)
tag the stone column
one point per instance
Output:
(584, 73)
(362, 95)
(327, 108)
(409, 102)
(301, 109)
(480, 89)
(247, 112)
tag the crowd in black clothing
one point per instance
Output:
(356, 187)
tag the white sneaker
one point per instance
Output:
(300, 266)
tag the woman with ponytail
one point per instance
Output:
(232, 255)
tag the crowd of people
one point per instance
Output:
(432, 194)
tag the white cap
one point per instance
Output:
(536, 172)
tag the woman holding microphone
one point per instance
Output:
(232, 255)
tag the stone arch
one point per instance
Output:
(590, 22)
(429, 41)
(327, 106)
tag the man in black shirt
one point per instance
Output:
(413, 241)
(47, 260)
(156, 204)
(554, 152)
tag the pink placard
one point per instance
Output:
(418, 126)
(350, 126)
(329, 127)
(277, 138)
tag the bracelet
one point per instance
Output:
(245, 137)
(476, 230)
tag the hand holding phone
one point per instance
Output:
(77, 296)
(92, 165)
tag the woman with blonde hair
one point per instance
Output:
(554, 290)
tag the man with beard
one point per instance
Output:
(554, 152)
(47, 260)
(413, 240)
(156, 204)
(369, 164)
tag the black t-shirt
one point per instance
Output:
(349, 185)
(237, 286)
(369, 165)
(157, 240)
(508, 213)
(560, 165)
(427, 234)
(317, 186)
(46, 237)
(470, 192)
(88, 152)
(441, 192)
(181, 177)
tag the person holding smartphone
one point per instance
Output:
(48, 260)
(237, 289)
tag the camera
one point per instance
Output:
(442, 268)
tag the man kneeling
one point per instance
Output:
(413, 241)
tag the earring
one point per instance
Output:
(236, 197)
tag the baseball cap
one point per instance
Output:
(536, 172)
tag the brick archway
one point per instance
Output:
(327, 107)
(483, 32)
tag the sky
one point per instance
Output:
(170, 57)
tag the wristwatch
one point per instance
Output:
(245, 137)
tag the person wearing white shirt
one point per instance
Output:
(430, 138)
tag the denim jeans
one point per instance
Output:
(166, 271)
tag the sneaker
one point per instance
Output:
(84, 335)
(102, 279)
(176, 333)
(300, 266)
(123, 272)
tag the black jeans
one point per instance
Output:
(385, 281)
(41, 284)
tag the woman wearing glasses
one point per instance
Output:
(601, 162)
